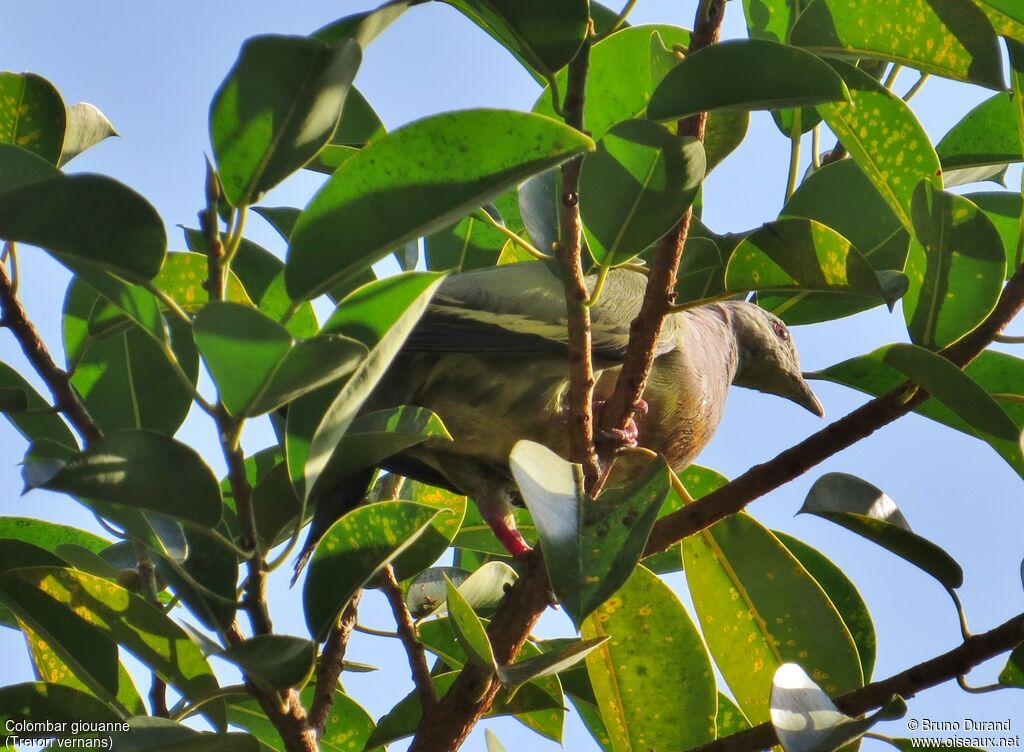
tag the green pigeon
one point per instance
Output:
(489, 357)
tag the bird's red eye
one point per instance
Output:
(781, 331)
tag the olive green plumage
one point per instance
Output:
(489, 357)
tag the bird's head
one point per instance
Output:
(768, 360)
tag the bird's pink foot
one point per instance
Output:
(627, 436)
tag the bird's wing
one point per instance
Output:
(520, 309)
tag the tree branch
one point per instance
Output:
(331, 662)
(660, 291)
(957, 662)
(569, 255)
(410, 639)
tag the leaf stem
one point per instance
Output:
(816, 148)
(961, 614)
(794, 154)
(918, 85)
(183, 378)
(376, 632)
(167, 300)
(617, 23)
(1007, 339)
(894, 73)
(602, 275)
(514, 237)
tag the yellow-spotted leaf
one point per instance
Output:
(950, 38)
(183, 275)
(759, 608)
(884, 137)
(653, 671)
(32, 114)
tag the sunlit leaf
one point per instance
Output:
(32, 114)
(86, 127)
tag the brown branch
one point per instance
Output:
(331, 663)
(149, 590)
(208, 220)
(660, 291)
(410, 639)
(957, 662)
(569, 256)
(835, 437)
(57, 381)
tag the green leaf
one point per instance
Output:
(884, 138)
(214, 569)
(183, 275)
(362, 27)
(380, 316)
(806, 720)
(281, 218)
(32, 114)
(348, 725)
(145, 470)
(275, 661)
(546, 664)
(1004, 210)
(730, 719)
(635, 187)
(155, 734)
(278, 106)
(759, 608)
(354, 550)
(621, 77)
(987, 135)
(19, 167)
(950, 38)
(139, 627)
(429, 589)
(470, 243)
(858, 506)
(88, 217)
(999, 374)
(86, 127)
(126, 301)
(414, 181)
(44, 701)
(542, 36)
(801, 254)
(469, 630)
(359, 124)
(275, 505)
(843, 594)
(255, 363)
(955, 268)
(34, 425)
(590, 546)
(751, 74)
(656, 659)
(49, 535)
(1012, 674)
(437, 539)
(840, 195)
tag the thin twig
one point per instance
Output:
(957, 662)
(332, 660)
(410, 639)
(617, 23)
(913, 90)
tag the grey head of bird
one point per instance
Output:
(768, 360)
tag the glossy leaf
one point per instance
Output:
(839, 195)
(88, 217)
(414, 181)
(635, 187)
(208, 569)
(997, 373)
(701, 271)
(538, 201)
(1006, 17)
(859, 506)
(470, 243)
(34, 425)
(590, 546)
(19, 167)
(950, 38)
(362, 27)
(429, 589)
(255, 363)
(44, 701)
(543, 37)
(48, 535)
(275, 661)
(278, 106)
(987, 135)
(358, 125)
(86, 127)
(1004, 211)
(843, 594)
(758, 607)
(751, 74)
(548, 663)
(1012, 674)
(468, 629)
(32, 114)
(898, 161)
(145, 470)
(380, 316)
(436, 540)
(482, 589)
(800, 254)
(955, 269)
(183, 275)
(156, 734)
(730, 719)
(354, 550)
(13, 400)
(134, 624)
(653, 671)
(281, 218)
(806, 720)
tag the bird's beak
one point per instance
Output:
(804, 396)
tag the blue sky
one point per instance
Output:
(152, 68)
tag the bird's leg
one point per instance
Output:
(626, 437)
(499, 518)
